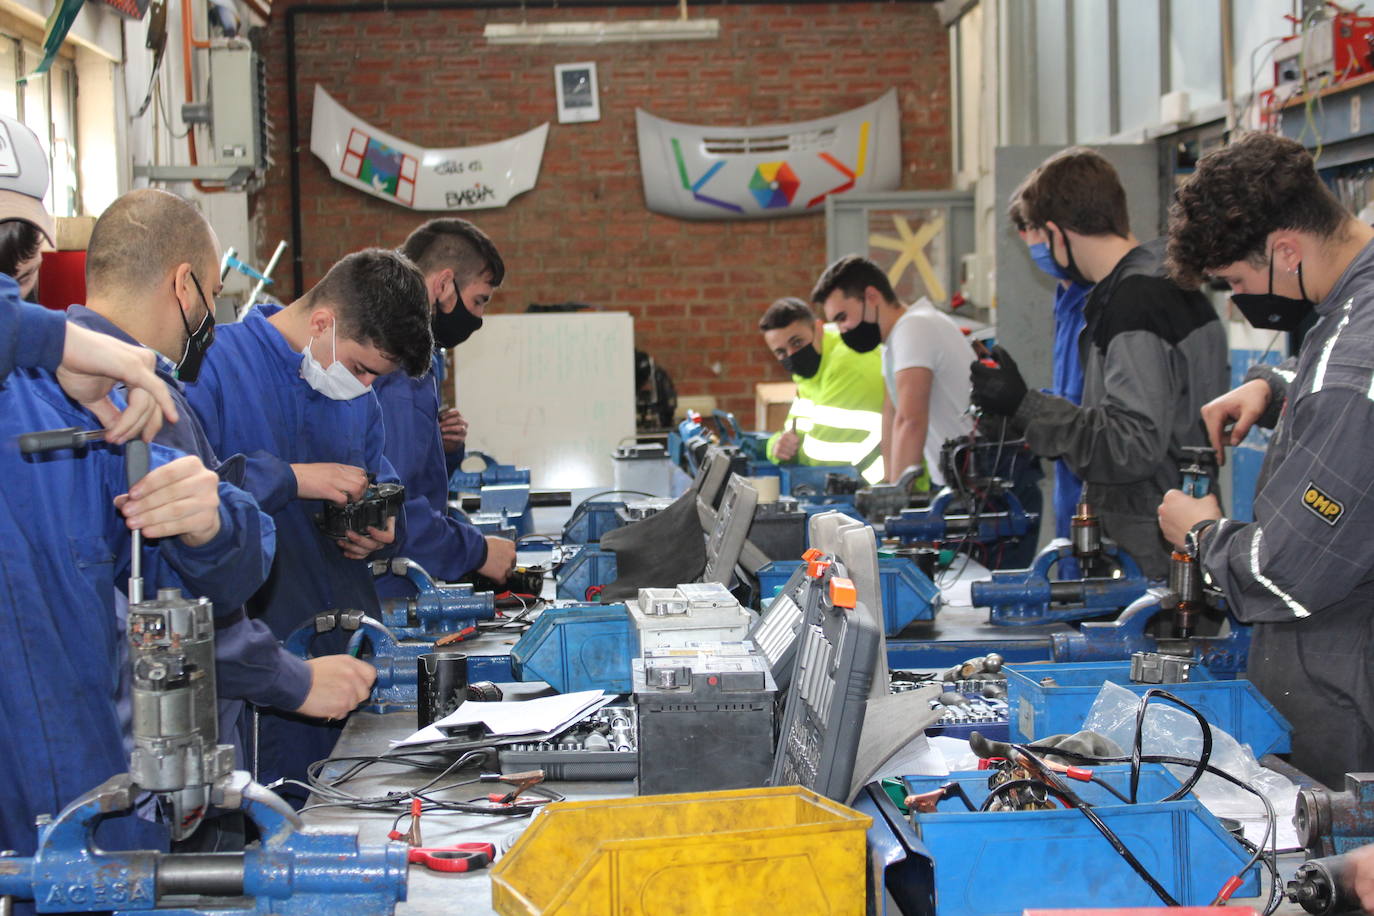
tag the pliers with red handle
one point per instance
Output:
(458, 857)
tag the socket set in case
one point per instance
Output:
(599, 747)
(966, 706)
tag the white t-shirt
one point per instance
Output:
(928, 339)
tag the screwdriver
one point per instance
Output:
(135, 468)
(52, 439)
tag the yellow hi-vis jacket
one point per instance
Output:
(838, 412)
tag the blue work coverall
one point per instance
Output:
(30, 335)
(64, 551)
(250, 663)
(1069, 299)
(250, 398)
(447, 547)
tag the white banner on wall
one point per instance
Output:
(699, 172)
(459, 178)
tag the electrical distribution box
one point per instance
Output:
(237, 108)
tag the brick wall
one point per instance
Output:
(695, 289)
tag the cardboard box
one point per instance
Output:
(772, 401)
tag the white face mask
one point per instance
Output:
(336, 382)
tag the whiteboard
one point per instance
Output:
(553, 392)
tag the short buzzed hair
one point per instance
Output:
(784, 313)
(456, 244)
(141, 238)
(379, 298)
(851, 275)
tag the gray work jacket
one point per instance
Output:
(1152, 355)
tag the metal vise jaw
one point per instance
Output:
(1030, 596)
(1115, 640)
(1336, 822)
(950, 518)
(397, 680)
(437, 610)
(292, 871)
(493, 474)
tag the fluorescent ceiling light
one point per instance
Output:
(593, 33)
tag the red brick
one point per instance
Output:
(695, 288)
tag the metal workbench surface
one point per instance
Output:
(432, 893)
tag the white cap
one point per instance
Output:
(23, 177)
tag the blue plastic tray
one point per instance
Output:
(1236, 707)
(1001, 863)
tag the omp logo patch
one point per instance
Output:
(1321, 505)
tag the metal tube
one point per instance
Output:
(1067, 592)
(205, 874)
(267, 272)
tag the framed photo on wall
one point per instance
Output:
(578, 98)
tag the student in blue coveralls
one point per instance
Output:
(462, 268)
(291, 389)
(64, 546)
(64, 551)
(151, 272)
(87, 365)
(1069, 299)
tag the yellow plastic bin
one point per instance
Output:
(779, 850)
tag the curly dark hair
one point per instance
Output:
(381, 299)
(1076, 189)
(784, 312)
(851, 275)
(1240, 193)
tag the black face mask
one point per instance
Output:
(1071, 269)
(804, 363)
(1271, 312)
(197, 341)
(864, 336)
(452, 328)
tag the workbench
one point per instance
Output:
(959, 631)
(434, 893)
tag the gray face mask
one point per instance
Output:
(336, 382)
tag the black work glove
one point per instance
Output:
(998, 389)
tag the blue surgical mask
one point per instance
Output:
(1044, 259)
(336, 382)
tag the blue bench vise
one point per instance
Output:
(1186, 599)
(437, 610)
(950, 517)
(505, 503)
(1331, 822)
(397, 685)
(291, 871)
(1021, 597)
(1112, 640)
(492, 474)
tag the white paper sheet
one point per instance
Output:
(522, 717)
